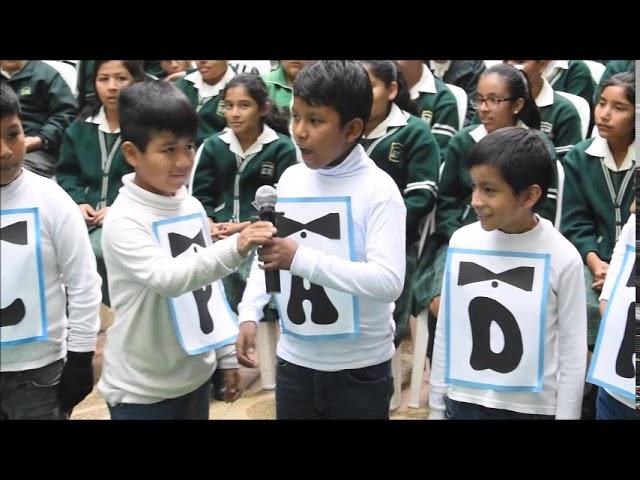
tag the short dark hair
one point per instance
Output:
(150, 107)
(9, 104)
(340, 84)
(522, 156)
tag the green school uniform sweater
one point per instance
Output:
(591, 218)
(80, 171)
(440, 111)
(47, 104)
(224, 182)
(279, 91)
(576, 79)
(210, 113)
(410, 155)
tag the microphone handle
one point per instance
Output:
(272, 277)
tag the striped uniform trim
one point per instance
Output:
(424, 185)
(442, 129)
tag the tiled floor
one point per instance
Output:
(256, 403)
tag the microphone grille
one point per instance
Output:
(265, 197)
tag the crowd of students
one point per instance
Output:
(525, 276)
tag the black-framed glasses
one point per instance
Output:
(492, 102)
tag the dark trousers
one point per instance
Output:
(609, 408)
(361, 393)
(192, 406)
(471, 411)
(32, 394)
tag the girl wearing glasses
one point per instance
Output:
(503, 99)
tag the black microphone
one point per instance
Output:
(265, 202)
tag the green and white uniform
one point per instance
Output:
(207, 101)
(90, 171)
(596, 202)
(404, 147)
(437, 107)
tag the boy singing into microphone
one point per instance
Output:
(341, 253)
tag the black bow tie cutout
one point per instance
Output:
(15, 233)
(180, 243)
(520, 277)
(328, 226)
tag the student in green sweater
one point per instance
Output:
(435, 103)
(599, 187)
(571, 76)
(231, 165)
(203, 86)
(559, 119)
(404, 147)
(503, 99)
(280, 82)
(48, 108)
(91, 161)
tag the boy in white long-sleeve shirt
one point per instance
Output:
(45, 249)
(511, 339)
(159, 356)
(341, 256)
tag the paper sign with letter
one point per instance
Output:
(203, 318)
(309, 311)
(495, 316)
(23, 314)
(614, 358)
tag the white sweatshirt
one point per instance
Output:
(376, 277)
(565, 342)
(143, 359)
(68, 261)
(627, 237)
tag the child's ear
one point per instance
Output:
(131, 153)
(353, 129)
(268, 106)
(531, 196)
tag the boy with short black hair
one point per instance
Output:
(154, 369)
(511, 333)
(342, 256)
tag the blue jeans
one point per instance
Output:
(361, 393)
(471, 411)
(192, 406)
(608, 408)
(31, 394)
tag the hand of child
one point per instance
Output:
(88, 213)
(278, 253)
(175, 76)
(32, 143)
(246, 345)
(434, 306)
(598, 267)
(232, 389)
(98, 219)
(601, 308)
(254, 235)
